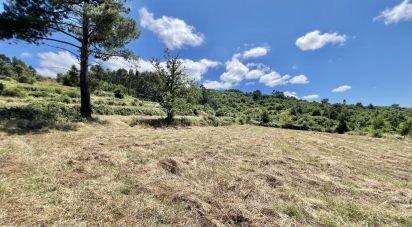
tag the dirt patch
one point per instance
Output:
(273, 181)
(170, 166)
(237, 218)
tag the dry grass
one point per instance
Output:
(115, 174)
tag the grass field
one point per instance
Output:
(109, 173)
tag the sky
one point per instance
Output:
(360, 51)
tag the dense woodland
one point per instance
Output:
(233, 106)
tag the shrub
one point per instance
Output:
(2, 88)
(377, 126)
(342, 127)
(73, 94)
(14, 92)
(26, 79)
(376, 133)
(118, 94)
(406, 127)
(265, 118)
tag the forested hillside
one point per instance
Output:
(26, 95)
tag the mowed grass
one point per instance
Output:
(114, 174)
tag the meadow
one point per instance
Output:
(229, 159)
(109, 173)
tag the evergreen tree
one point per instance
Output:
(91, 27)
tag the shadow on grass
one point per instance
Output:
(24, 126)
(162, 123)
(40, 119)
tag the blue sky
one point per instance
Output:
(360, 49)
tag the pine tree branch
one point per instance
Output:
(62, 48)
(66, 33)
(58, 41)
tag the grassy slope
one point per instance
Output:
(238, 175)
(46, 92)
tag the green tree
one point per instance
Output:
(324, 101)
(92, 27)
(278, 94)
(205, 95)
(377, 126)
(342, 125)
(256, 95)
(70, 78)
(176, 83)
(265, 118)
(359, 104)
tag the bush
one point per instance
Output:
(118, 94)
(14, 92)
(2, 88)
(406, 127)
(265, 118)
(26, 79)
(376, 133)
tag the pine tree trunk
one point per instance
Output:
(85, 109)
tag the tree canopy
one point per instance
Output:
(98, 28)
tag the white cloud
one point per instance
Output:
(218, 85)
(26, 55)
(301, 79)
(256, 52)
(173, 32)
(196, 69)
(290, 94)
(401, 12)
(116, 63)
(342, 88)
(235, 71)
(315, 40)
(51, 63)
(254, 74)
(274, 79)
(310, 97)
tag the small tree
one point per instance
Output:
(265, 118)
(278, 94)
(342, 126)
(324, 101)
(70, 78)
(377, 126)
(205, 95)
(256, 95)
(175, 83)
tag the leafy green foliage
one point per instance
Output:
(406, 127)
(18, 70)
(177, 88)
(70, 78)
(94, 27)
(118, 94)
(14, 92)
(265, 118)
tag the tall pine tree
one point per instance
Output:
(98, 28)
